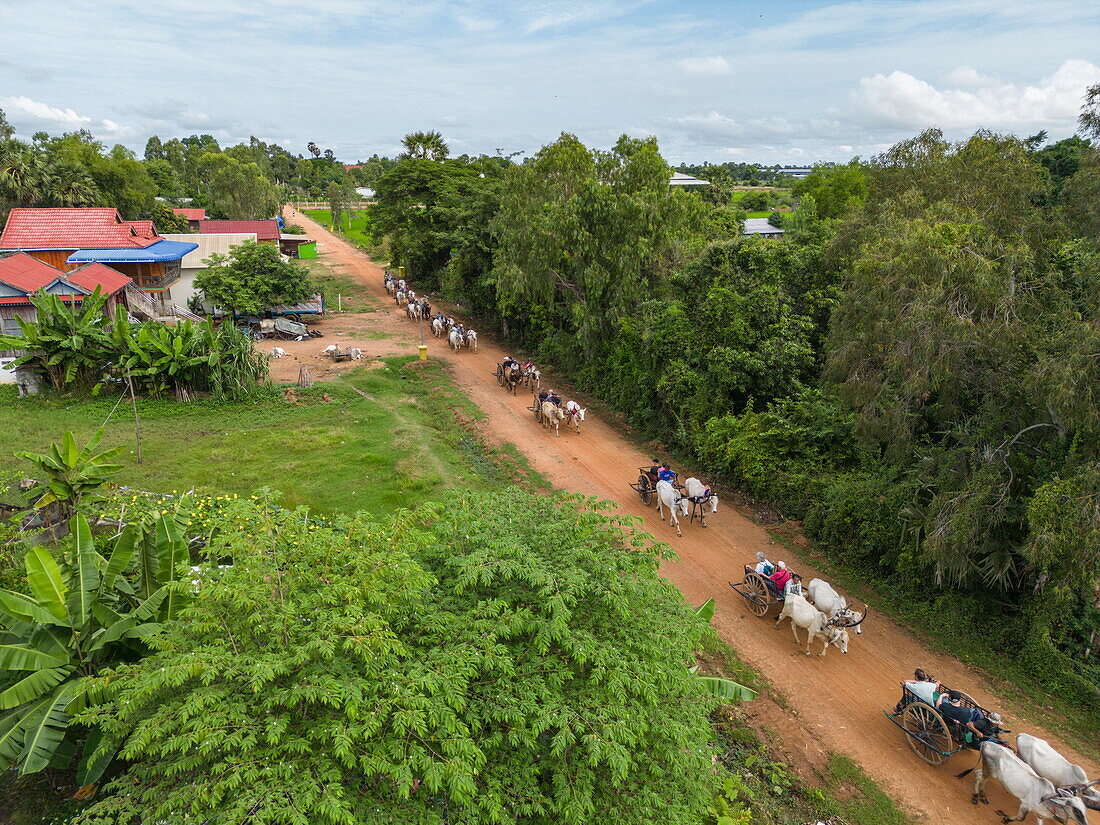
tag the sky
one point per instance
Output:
(788, 81)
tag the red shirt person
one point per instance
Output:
(781, 576)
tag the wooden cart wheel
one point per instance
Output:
(759, 594)
(644, 492)
(927, 733)
(538, 413)
(500, 376)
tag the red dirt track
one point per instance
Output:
(838, 699)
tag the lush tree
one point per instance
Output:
(238, 190)
(84, 612)
(165, 220)
(154, 149)
(253, 278)
(836, 189)
(6, 129)
(465, 665)
(425, 146)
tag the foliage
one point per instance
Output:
(425, 146)
(84, 612)
(71, 474)
(167, 221)
(237, 189)
(253, 278)
(76, 345)
(531, 671)
(837, 190)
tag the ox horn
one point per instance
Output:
(862, 616)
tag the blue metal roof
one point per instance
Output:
(160, 251)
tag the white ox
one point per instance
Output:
(668, 496)
(277, 352)
(331, 348)
(576, 415)
(437, 326)
(1036, 795)
(552, 416)
(697, 495)
(1052, 766)
(831, 603)
(356, 354)
(471, 339)
(454, 338)
(813, 621)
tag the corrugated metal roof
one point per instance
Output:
(23, 272)
(265, 230)
(75, 228)
(160, 251)
(207, 245)
(680, 179)
(760, 226)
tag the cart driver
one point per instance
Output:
(555, 399)
(544, 394)
(509, 362)
(664, 473)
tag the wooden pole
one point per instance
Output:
(137, 419)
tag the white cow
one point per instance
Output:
(471, 339)
(813, 621)
(1036, 795)
(331, 348)
(832, 604)
(437, 326)
(455, 340)
(552, 416)
(356, 353)
(697, 494)
(1051, 765)
(668, 496)
(576, 415)
(277, 352)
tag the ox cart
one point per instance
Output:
(759, 592)
(536, 408)
(646, 485)
(932, 736)
(337, 354)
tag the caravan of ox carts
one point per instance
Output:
(1045, 782)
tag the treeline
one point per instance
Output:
(913, 371)
(246, 181)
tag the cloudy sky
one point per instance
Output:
(777, 82)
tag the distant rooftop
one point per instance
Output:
(680, 179)
(760, 226)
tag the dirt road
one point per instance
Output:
(838, 699)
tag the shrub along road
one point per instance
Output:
(838, 698)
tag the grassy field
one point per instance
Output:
(353, 225)
(409, 438)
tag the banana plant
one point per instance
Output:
(85, 612)
(716, 686)
(71, 473)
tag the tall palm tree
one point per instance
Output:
(425, 146)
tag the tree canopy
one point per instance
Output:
(253, 278)
(468, 664)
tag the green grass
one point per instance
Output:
(353, 296)
(394, 449)
(353, 225)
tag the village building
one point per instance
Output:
(194, 261)
(23, 276)
(266, 231)
(194, 216)
(67, 238)
(759, 227)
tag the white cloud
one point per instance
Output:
(964, 77)
(21, 108)
(900, 99)
(705, 65)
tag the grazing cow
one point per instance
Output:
(533, 377)
(471, 339)
(576, 415)
(552, 416)
(1036, 794)
(833, 605)
(805, 615)
(455, 340)
(700, 500)
(355, 353)
(668, 496)
(277, 352)
(1052, 766)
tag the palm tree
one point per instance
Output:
(313, 149)
(425, 146)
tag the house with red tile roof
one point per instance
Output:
(66, 238)
(23, 276)
(194, 216)
(265, 231)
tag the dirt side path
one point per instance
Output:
(839, 699)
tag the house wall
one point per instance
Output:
(8, 313)
(57, 258)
